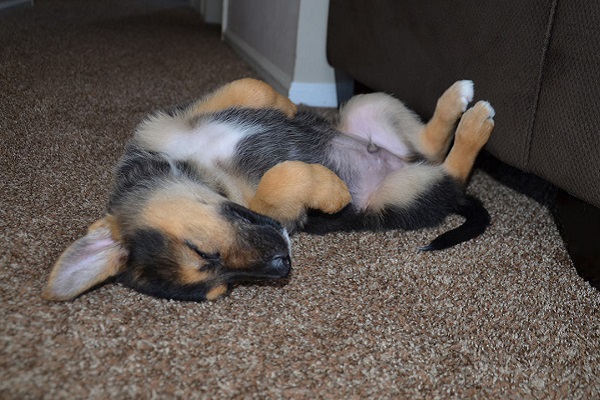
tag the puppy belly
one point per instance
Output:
(367, 123)
(363, 167)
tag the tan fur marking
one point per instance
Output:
(113, 225)
(403, 187)
(189, 265)
(437, 133)
(101, 223)
(248, 93)
(472, 134)
(434, 141)
(190, 275)
(216, 292)
(188, 219)
(289, 188)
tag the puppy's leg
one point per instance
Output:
(384, 121)
(246, 93)
(401, 188)
(288, 189)
(381, 120)
(434, 139)
(472, 134)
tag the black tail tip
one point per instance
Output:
(429, 247)
(477, 219)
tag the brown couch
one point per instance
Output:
(537, 62)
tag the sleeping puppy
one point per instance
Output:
(205, 195)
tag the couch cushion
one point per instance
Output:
(565, 146)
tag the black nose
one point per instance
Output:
(281, 265)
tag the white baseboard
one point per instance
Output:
(314, 94)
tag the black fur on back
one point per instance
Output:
(305, 138)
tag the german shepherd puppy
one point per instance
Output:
(206, 194)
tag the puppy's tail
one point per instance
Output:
(477, 220)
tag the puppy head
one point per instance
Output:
(180, 244)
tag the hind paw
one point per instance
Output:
(455, 100)
(476, 125)
(472, 134)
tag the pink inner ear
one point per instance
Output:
(85, 263)
(95, 251)
(100, 245)
(91, 247)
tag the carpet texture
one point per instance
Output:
(364, 315)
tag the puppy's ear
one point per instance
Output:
(87, 262)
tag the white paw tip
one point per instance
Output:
(490, 109)
(466, 89)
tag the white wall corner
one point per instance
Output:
(314, 81)
(268, 71)
(310, 79)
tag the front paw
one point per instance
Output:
(329, 193)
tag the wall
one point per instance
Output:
(285, 42)
(264, 33)
(314, 80)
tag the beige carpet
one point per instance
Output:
(364, 315)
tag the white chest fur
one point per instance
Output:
(205, 142)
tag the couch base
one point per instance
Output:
(579, 225)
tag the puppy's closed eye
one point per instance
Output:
(210, 257)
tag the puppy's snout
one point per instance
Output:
(281, 264)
